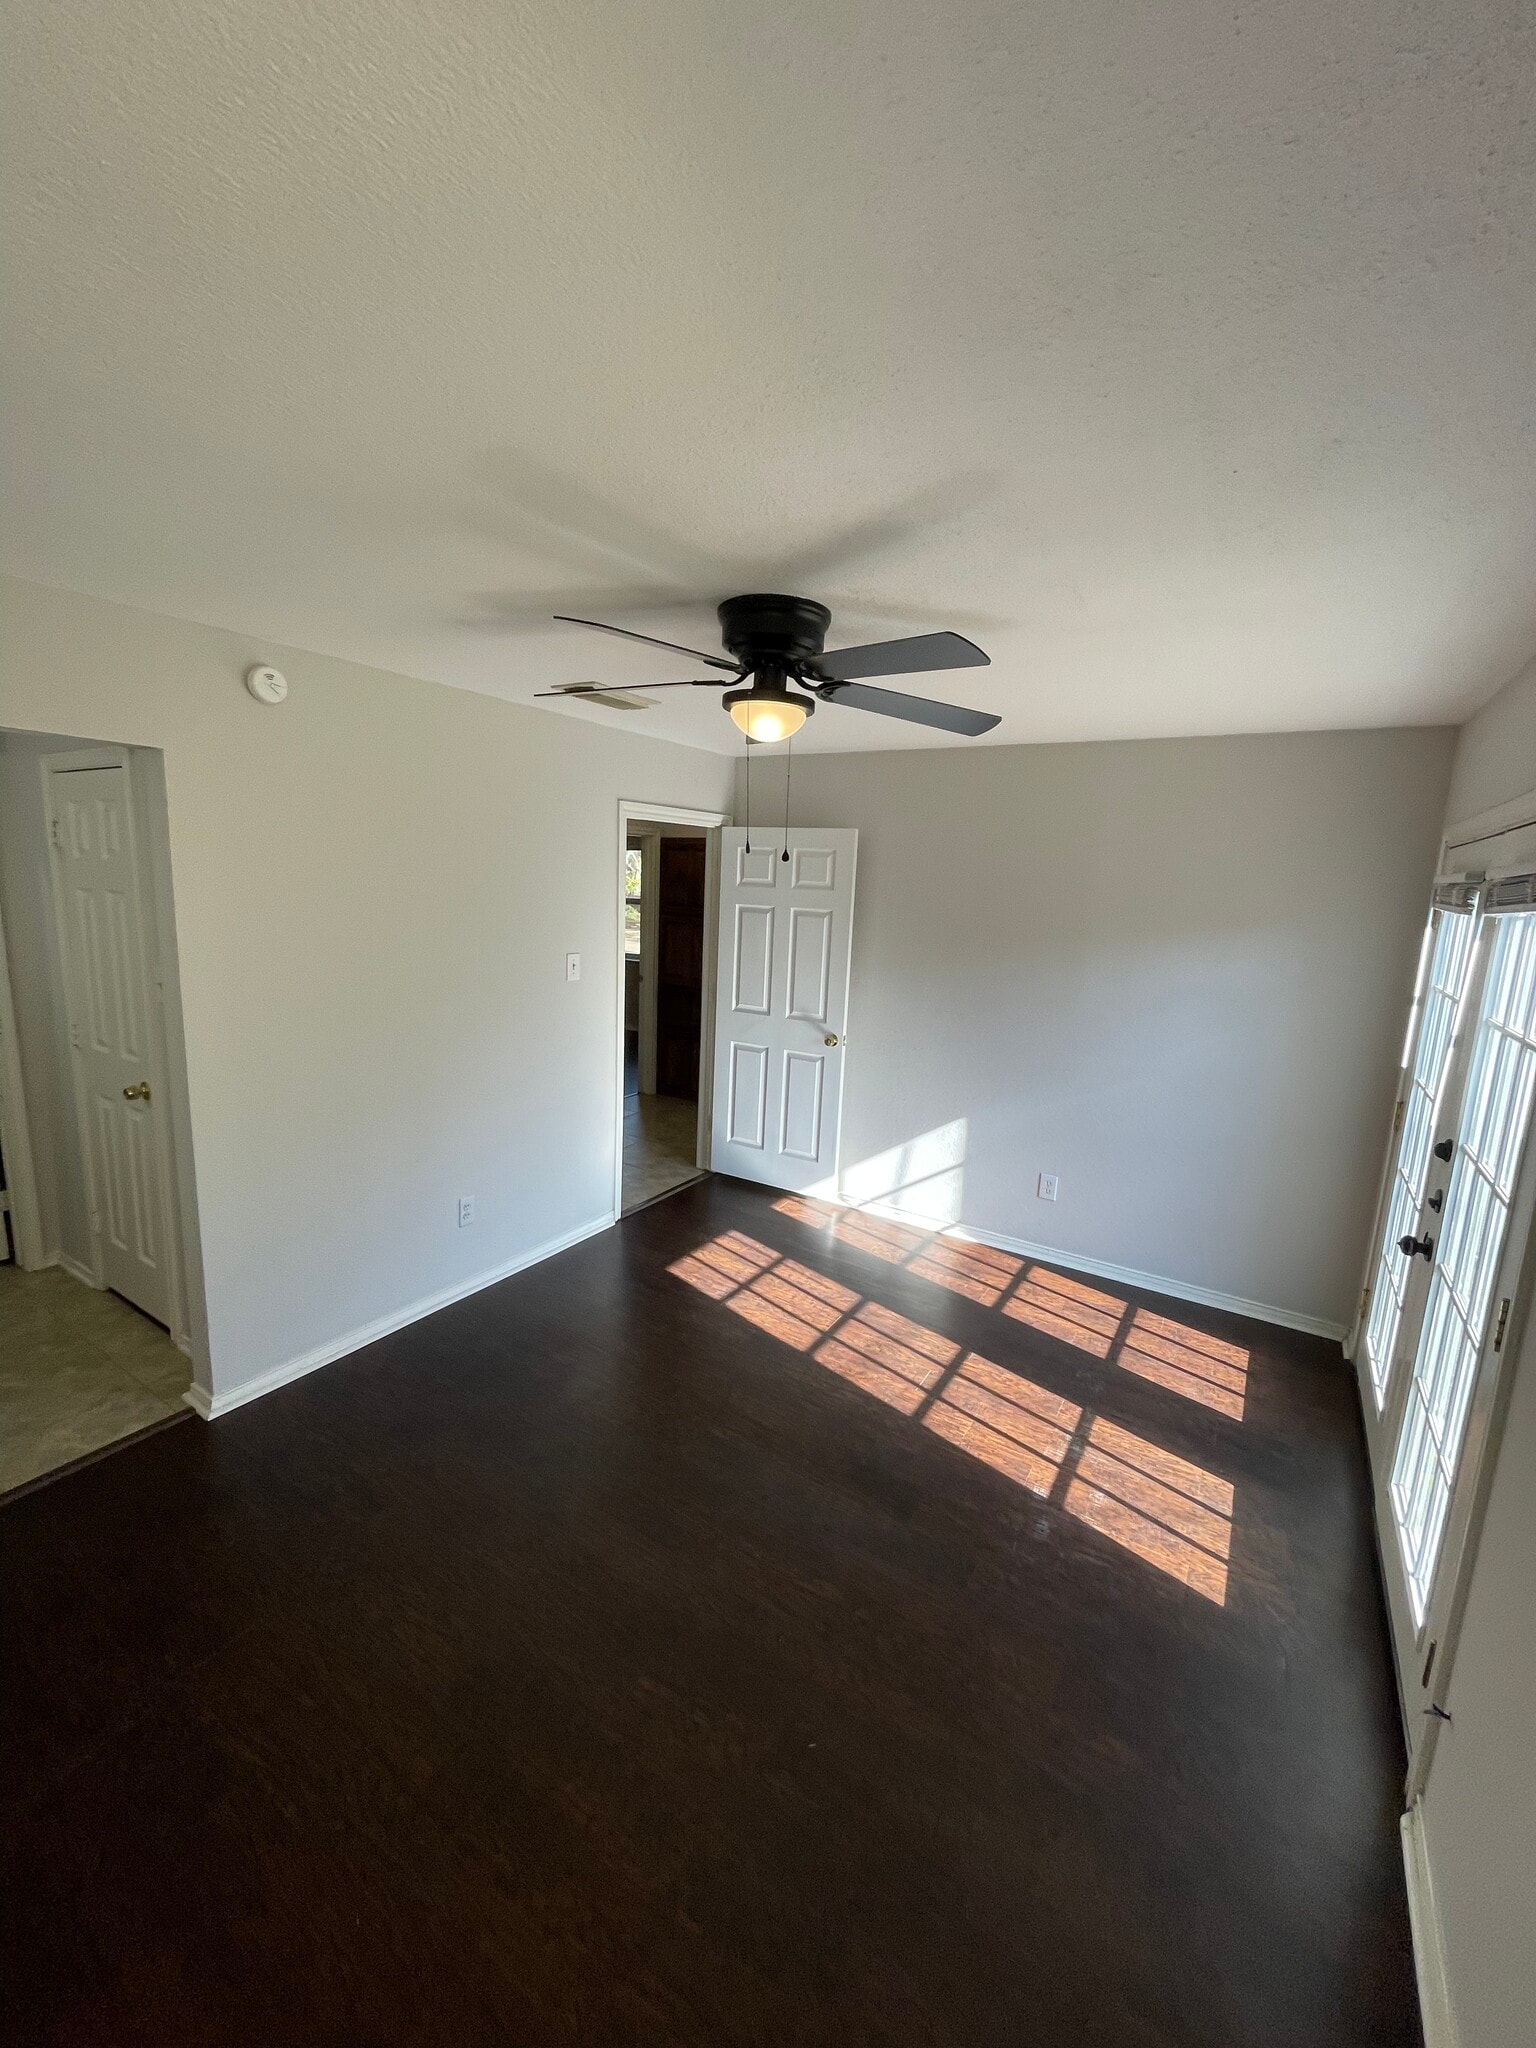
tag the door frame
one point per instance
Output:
(1470, 855)
(645, 1051)
(633, 811)
(152, 918)
(15, 1132)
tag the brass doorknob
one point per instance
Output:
(830, 1039)
(139, 1093)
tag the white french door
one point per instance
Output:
(1443, 974)
(1446, 1285)
(781, 1006)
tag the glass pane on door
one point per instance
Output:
(1496, 1109)
(1445, 985)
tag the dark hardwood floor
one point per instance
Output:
(750, 1655)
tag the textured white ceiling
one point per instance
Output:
(1184, 355)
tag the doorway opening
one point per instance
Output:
(669, 884)
(100, 1296)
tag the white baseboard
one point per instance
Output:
(1128, 1276)
(1428, 1950)
(212, 1406)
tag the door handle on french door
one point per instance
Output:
(1445, 1148)
(1409, 1245)
(1437, 1200)
(138, 1093)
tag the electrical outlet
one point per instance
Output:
(573, 967)
(1049, 1186)
(466, 1211)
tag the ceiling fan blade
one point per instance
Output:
(900, 657)
(714, 660)
(621, 689)
(917, 710)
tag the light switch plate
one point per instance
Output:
(573, 967)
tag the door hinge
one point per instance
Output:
(1501, 1325)
(1397, 1117)
(1365, 1302)
(54, 833)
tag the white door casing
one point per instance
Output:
(781, 1005)
(111, 1027)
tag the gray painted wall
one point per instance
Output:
(1175, 973)
(376, 885)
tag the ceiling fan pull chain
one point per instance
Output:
(789, 767)
(749, 793)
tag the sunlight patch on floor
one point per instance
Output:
(1186, 1362)
(974, 1270)
(896, 1360)
(1169, 1513)
(1019, 1429)
(1059, 1307)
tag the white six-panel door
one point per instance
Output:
(781, 1008)
(102, 941)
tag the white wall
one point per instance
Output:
(1175, 973)
(1496, 754)
(376, 886)
(1479, 1806)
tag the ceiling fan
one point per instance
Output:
(775, 645)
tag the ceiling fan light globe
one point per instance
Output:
(767, 716)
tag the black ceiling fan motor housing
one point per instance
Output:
(771, 632)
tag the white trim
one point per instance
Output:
(15, 1136)
(1506, 817)
(1435, 2008)
(78, 1272)
(210, 1408)
(632, 810)
(650, 924)
(1469, 849)
(147, 790)
(1128, 1276)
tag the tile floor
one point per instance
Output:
(78, 1369)
(659, 1146)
